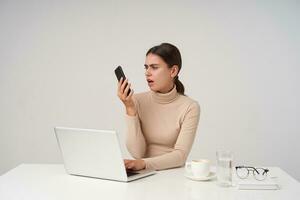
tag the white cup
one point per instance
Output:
(199, 168)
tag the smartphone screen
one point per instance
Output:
(119, 74)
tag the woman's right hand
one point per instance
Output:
(123, 88)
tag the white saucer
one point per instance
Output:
(205, 178)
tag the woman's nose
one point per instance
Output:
(147, 72)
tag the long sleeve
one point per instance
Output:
(135, 140)
(183, 143)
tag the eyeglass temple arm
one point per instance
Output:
(237, 167)
(241, 166)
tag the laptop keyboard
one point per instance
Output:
(131, 173)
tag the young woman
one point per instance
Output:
(161, 123)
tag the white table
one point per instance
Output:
(50, 181)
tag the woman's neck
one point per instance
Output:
(167, 90)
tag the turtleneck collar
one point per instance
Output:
(165, 98)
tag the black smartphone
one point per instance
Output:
(119, 74)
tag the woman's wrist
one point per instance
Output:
(131, 111)
(143, 164)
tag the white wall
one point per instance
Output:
(240, 61)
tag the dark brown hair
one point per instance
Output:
(171, 55)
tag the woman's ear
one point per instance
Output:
(174, 71)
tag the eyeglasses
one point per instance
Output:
(258, 173)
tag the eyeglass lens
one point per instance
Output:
(260, 174)
(242, 172)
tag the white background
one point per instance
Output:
(240, 62)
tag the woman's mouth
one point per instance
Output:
(150, 82)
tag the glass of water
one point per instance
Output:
(224, 168)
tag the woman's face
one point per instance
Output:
(158, 75)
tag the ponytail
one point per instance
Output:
(179, 86)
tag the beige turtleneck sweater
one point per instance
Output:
(163, 131)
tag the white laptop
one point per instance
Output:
(94, 153)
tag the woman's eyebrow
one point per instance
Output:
(151, 65)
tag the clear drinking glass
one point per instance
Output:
(224, 168)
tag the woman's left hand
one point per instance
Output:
(135, 164)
